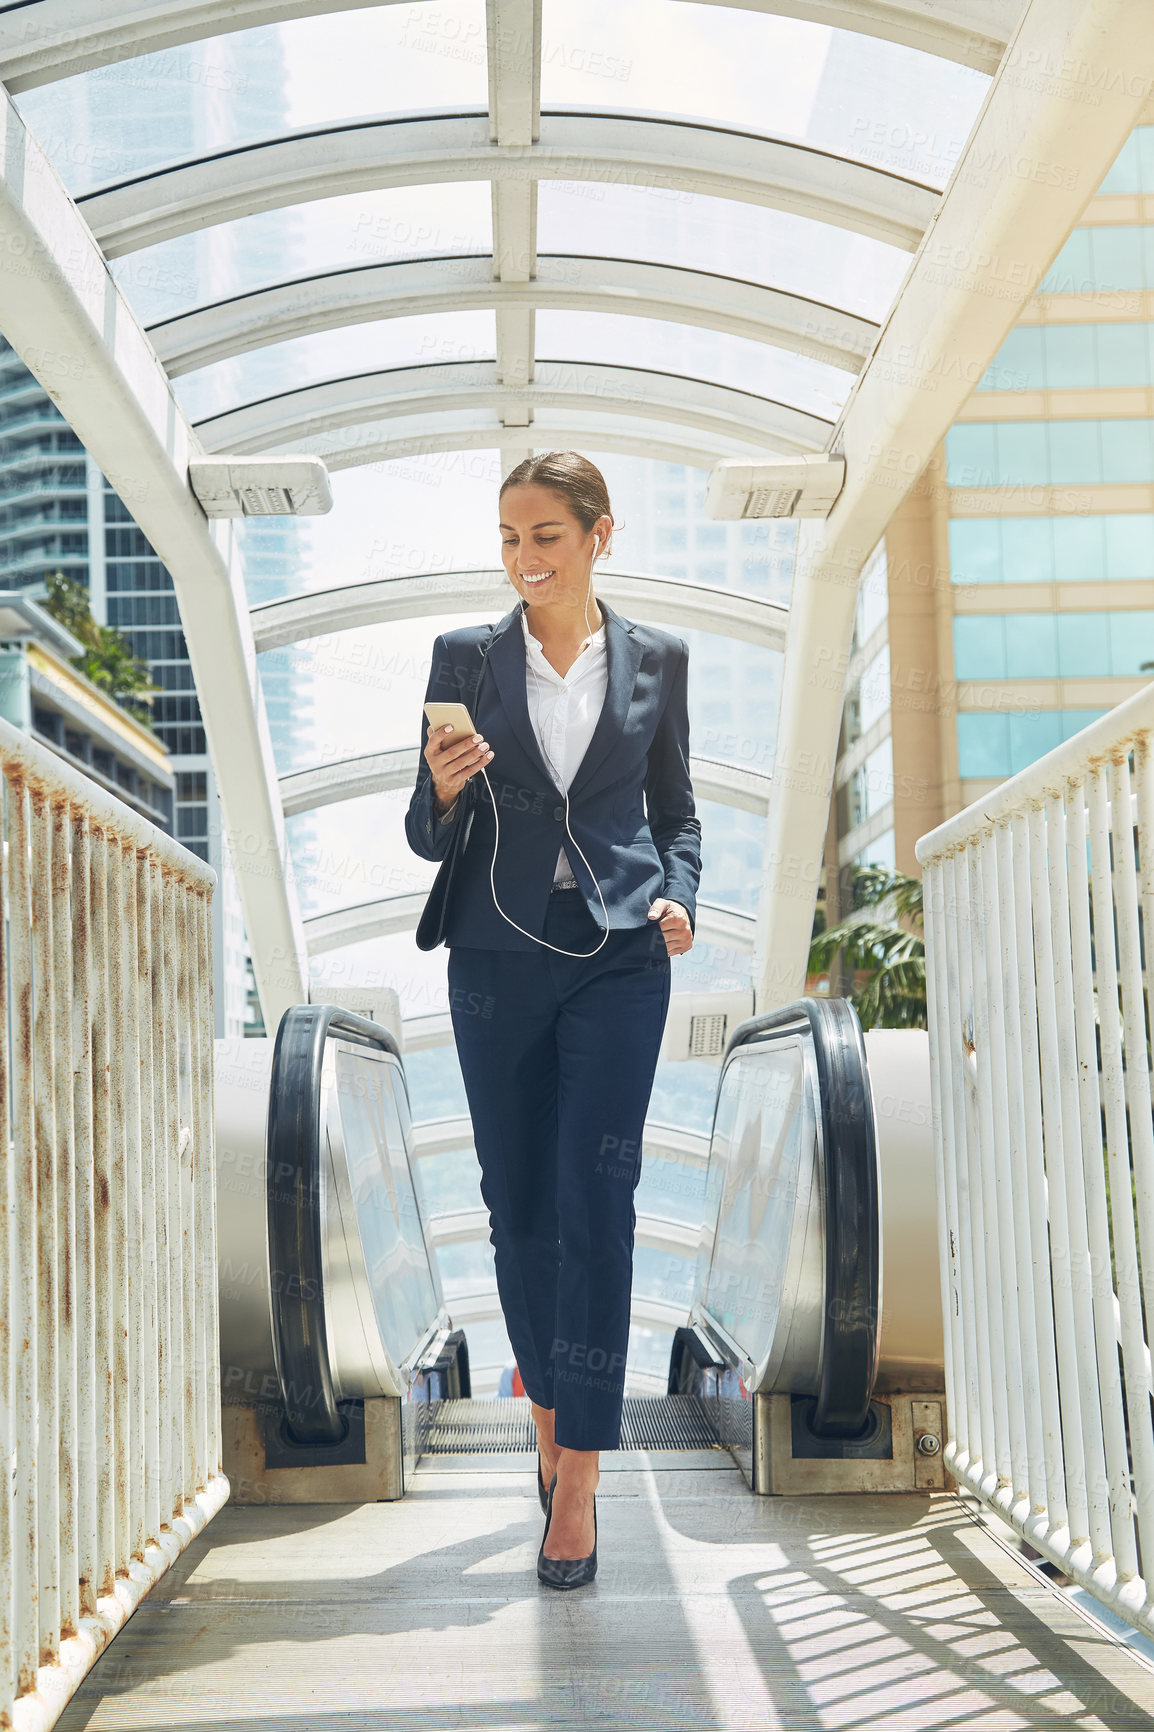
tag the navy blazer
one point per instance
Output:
(630, 803)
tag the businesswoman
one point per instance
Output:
(577, 885)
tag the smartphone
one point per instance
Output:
(456, 714)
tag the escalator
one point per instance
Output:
(331, 1302)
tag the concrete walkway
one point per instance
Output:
(713, 1611)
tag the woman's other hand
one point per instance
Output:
(674, 922)
(452, 759)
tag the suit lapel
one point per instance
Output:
(623, 653)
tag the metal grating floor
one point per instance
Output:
(506, 1425)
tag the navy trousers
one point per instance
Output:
(558, 1055)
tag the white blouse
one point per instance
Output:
(564, 709)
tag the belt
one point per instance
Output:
(565, 884)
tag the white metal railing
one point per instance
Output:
(1039, 924)
(109, 1370)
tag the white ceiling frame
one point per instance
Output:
(68, 37)
(480, 430)
(664, 600)
(564, 282)
(386, 916)
(994, 237)
(65, 316)
(513, 44)
(447, 387)
(972, 32)
(396, 771)
(422, 150)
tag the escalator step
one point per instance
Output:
(506, 1425)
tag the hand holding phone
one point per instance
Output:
(455, 751)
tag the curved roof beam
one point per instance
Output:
(447, 387)
(387, 772)
(462, 283)
(446, 145)
(66, 37)
(388, 915)
(480, 430)
(664, 600)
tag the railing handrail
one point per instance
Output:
(41, 768)
(1048, 775)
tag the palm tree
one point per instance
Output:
(107, 659)
(875, 944)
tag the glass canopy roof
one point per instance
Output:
(712, 226)
(671, 236)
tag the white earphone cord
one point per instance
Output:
(572, 838)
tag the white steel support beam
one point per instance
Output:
(664, 600)
(973, 32)
(66, 318)
(568, 282)
(514, 53)
(480, 430)
(622, 148)
(60, 38)
(1037, 152)
(396, 770)
(448, 387)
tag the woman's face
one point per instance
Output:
(547, 554)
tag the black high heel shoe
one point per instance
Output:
(565, 1572)
(542, 1494)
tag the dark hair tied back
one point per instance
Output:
(579, 482)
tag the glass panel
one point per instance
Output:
(670, 1189)
(882, 851)
(126, 119)
(450, 1181)
(351, 350)
(1026, 554)
(732, 861)
(1069, 549)
(1079, 549)
(979, 648)
(1032, 735)
(1129, 545)
(975, 551)
(855, 95)
(1131, 644)
(620, 340)
(1031, 646)
(1083, 644)
(384, 1203)
(873, 597)
(1038, 453)
(328, 234)
(669, 227)
(760, 1174)
(652, 500)
(983, 745)
(875, 689)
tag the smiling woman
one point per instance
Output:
(559, 1068)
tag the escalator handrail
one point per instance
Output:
(850, 1332)
(295, 1228)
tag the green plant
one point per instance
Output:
(886, 959)
(107, 658)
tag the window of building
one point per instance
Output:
(1026, 646)
(882, 851)
(874, 690)
(1073, 549)
(872, 784)
(1049, 453)
(996, 746)
(1133, 167)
